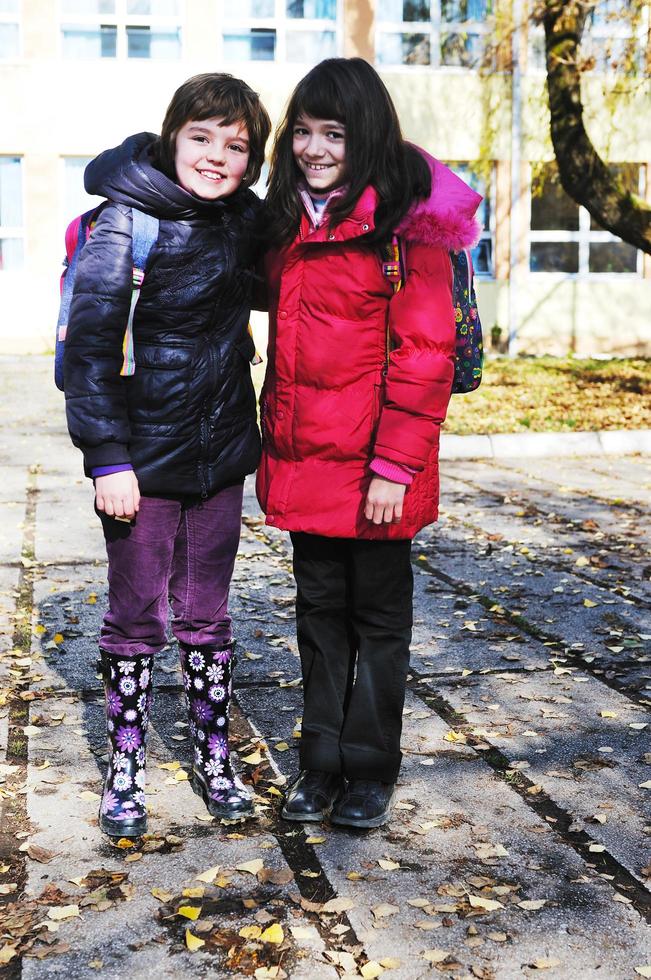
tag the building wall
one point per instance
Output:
(54, 108)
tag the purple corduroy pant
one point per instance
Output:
(178, 551)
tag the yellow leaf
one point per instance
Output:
(251, 867)
(274, 934)
(209, 875)
(281, 746)
(488, 904)
(315, 840)
(545, 964)
(383, 910)
(254, 759)
(533, 904)
(589, 604)
(88, 794)
(597, 848)
(303, 932)
(642, 971)
(180, 775)
(124, 844)
(273, 791)
(250, 932)
(310, 874)
(58, 638)
(582, 562)
(609, 714)
(92, 598)
(338, 905)
(435, 955)
(40, 629)
(645, 785)
(8, 952)
(194, 892)
(387, 865)
(63, 912)
(453, 736)
(371, 970)
(354, 876)
(193, 942)
(190, 912)
(390, 963)
(161, 894)
(169, 766)
(465, 672)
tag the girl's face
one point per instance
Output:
(211, 159)
(319, 147)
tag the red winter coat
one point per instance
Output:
(328, 404)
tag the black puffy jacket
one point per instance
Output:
(186, 420)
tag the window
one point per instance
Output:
(431, 32)
(11, 214)
(121, 29)
(75, 198)
(565, 238)
(298, 31)
(482, 253)
(9, 29)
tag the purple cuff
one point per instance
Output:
(395, 472)
(107, 470)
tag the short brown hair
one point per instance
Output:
(210, 95)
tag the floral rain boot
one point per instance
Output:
(208, 683)
(128, 693)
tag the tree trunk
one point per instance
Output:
(583, 174)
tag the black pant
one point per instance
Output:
(354, 617)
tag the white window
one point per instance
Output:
(564, 238)
(9, 29)
(11, 214)
(121, 29)
(75, 198)
(298, 31)
(482, 253)
(431, 32)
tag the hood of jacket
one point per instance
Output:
(447, 217)
(126, 174)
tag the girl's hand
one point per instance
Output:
(118, 494)
(384, 501)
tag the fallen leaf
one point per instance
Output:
(254, 759)
(190, 912)
(589, 604)
(609, 714)
(643, 971)
(63, 912)
(88, 795)
(251, 867)
(250, 932)
(274, 934)
(435, 955)
(193, 942)
(8, 952)
(371, 970)
(169, 766)
(384, 910)
(315, 840)
(545, 964)
(488, 904)
(387, 865)
(209, 875)
(281, 746)
(645, 785)
(162, 895)
(390, 963)
(39, 854)
(337, 905)
(533, 904)
(304, 932)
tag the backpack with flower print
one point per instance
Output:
(469, 355)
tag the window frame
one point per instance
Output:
(282, 24)
(435, 29)
(17, 19)
(121, 20)
(16, 231)
(487, 234)
(584, 236)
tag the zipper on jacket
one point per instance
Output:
(203, 455)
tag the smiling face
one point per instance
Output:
(319, 148)
(211, 159)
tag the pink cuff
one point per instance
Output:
(393, 471)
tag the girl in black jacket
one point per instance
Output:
(168, 447)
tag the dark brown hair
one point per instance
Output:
(208, 96)
(349, 91)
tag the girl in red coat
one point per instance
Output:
(357, 386)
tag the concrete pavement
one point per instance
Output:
(519, 843)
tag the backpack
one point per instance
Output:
(144, 235)
(469, 354)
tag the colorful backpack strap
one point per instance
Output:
(143, 236)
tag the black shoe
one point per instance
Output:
(311, 796)
(365, 803)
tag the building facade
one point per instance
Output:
(79, 75)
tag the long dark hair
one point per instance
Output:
(349, 91)
(215, 94)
